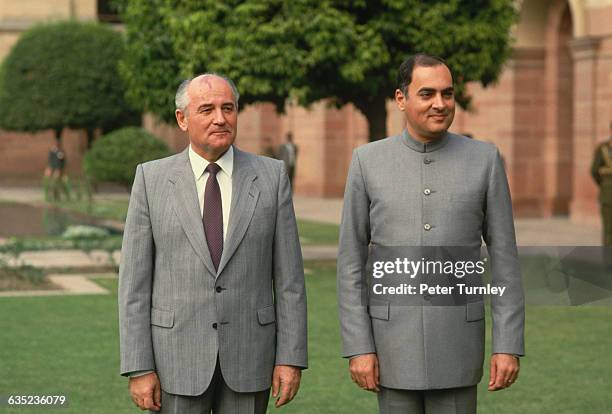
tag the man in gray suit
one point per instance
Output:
(212, 304)
(428, 187)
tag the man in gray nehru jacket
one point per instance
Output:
(212, 304)
(428, 187)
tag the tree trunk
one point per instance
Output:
(90, 137)
(375, 111)
(58, 136)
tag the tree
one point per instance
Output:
(63, 75)
(341, 50)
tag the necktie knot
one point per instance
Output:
(212, 168)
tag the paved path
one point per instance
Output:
(61, 260)
(66, 285)
(35, 194)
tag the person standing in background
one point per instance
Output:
(55, 181)
(601, 170)
(288, 153)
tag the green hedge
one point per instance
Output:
(63, 75)
(114, 157)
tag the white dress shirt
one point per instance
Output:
(224, 178)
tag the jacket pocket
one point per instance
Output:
(266, 315)
(379, 310)
(474, 311)
(162, 318)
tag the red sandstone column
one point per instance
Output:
(528, 132)
(584, 51)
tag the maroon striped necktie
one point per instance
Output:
(212, 217)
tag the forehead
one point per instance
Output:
(208, 89)
(437, 77)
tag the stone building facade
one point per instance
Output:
(550, 108)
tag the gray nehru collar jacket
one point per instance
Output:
(451, 192)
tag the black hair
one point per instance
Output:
(404, 76)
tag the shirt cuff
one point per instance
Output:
(136, 374)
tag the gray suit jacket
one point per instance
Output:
(170, 295)
(385, 204)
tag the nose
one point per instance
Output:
(219, 117)
(438, 102)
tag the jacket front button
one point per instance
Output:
(214, 325)
(427, 226)
(218, 289)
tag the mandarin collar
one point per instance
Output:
(419, 146)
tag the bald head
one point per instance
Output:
(201, 82)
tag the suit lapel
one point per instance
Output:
(244, 199)
(187, 207)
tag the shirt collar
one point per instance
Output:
(419, 146)
(199, 163)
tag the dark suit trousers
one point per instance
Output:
(219, 398)
(443, 401)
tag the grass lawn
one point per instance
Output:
(109, 209)
(69, 345)
(314, 233)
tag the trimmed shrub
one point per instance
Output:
(63, 75)
(114, 157)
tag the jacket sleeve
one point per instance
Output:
(355, 323)
(508, 311)
(135, 281)
(289, 287)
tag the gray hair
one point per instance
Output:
(181, 99)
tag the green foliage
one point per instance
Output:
(150, 68)
(16, 246)
(85, 232)
(17, 269)
(114, 157)
(342, 50)
(63, 75)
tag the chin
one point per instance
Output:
(437, 132)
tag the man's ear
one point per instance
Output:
(181, 119)
(400, 99)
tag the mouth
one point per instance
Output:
(438, 117)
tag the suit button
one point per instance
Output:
(218, 289)
(427, 191)
(427, 161)
(427, 226)
(214, 325)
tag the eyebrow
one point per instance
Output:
(449, 89)
(209, 105)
